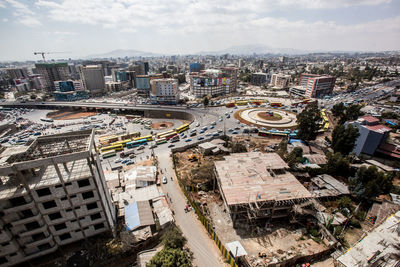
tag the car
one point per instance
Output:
(220, 119)
(215, 134)
(192, 134)
(231, 111)
(183, 137)
(201, 131)
(164, 180)
(188, 140)
(129, 162)
(220, 131)
(209, 134)
(171, 145)
(125, 161)
(198, 124)
(235, 132)
(235, 107)
(153, 146)
(140, 148)
(212, 127)
(200, 138)
(237, 128)
(213, 123)
(204, 128)
(228, 116)
(182, 134)
(118, 160)
(230, 130)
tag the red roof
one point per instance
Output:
(377, 128)
(390, 149)
(369, 118)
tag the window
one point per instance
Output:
(17, 201)
(5, 244)
(39, 236)
(60, 226)
(98, 226)
(63, 198)
(92, 206)
(95, 216)
(3, 260)
(32, 226)
(58, 186)
(49, 204)
(65, 236)
(87, 195)
(27, 213)
(68, 210)
(43, 192)
(72, 196)
(74, 220)
(44, 246)
(55, 216)
(67, 184)
(13, 254)
(83, 183)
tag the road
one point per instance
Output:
(205, 251)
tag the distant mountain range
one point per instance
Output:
(124, 53)
(257, 49)
(234, 50)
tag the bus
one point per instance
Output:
(230, 105)
(136, 143)
(165, 133)
(161, 141)
(46, 120)
(123, 142)
(147, 137)
(109, 154)
(127, 153)
(182, 128)
(169, 136)
(273, 133)
(108, 139)
(276, 104)
(242, 102)
(130, 135)
(118, 147)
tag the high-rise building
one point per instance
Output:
(52, 72)
(52, 194)
(17, 73)
(143, 85)
(69, 91)
(317, 86)
(241, 63)
(93, 79)
(213, 82)
(280, 80)
(196, 67)
(260, 78)
(164, 91)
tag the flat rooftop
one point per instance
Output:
(257, 177)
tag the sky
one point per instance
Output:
(85, 27)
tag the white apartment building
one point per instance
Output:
(280, 80)
(164, 91)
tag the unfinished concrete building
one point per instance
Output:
(52, 194)
(257, 187)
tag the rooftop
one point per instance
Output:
(376, 248)
(378, 128)
(370, 119)
(255, 176)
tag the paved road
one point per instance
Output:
(205, 252)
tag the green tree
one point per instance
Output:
(338, 165)
(170, 257)
(370, 182)
(173, 239)
(344, 138)
(33, 96)
(295, 156)
(309, 122)
(338, 110)
(348, 113)
(205, 101)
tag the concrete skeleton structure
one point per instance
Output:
(52, 194)
(52, 72)
(257, 186)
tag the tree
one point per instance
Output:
(237, 147)
(295, 156)
(205, 101)
(338, 165)
(348, 113)
(344, 138)
(370, 182)
(309, 122)
(33, 96)
(338, 110)
(169, 257)
(173, 239)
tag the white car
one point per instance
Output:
(118, 160)
(164, 180)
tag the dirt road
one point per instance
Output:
(204, 250)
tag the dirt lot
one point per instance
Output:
(161, 125)
(67, 115)
(258, 143)
(283, 242)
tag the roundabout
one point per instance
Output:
(268, 118)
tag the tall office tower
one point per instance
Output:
(317, 85)
(52, 72)
(93, 79)
(52, 194)
(17, 73)
(196, 67)
(164, 91)
(141, 67)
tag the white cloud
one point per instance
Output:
(5, 20)
(23, 13)
(64, 33)
(2, 4)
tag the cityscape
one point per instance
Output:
(200, 144)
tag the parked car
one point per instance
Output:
(164, 180)
(200, 138)
(171, 145)
(188, 140)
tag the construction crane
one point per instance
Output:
(43, 53)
